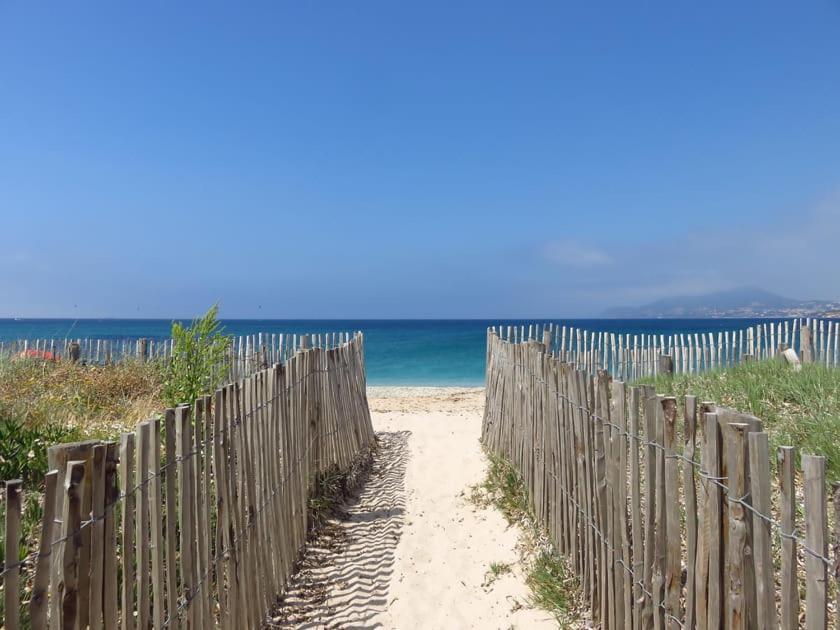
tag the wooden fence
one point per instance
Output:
(247, 354)
(633, 356)
(196, 519)
(666, 523)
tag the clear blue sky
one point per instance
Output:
(392, 159)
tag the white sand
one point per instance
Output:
(413, 552)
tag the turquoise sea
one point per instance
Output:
(399, 352)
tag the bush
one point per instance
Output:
(24, 452)
(197, 366)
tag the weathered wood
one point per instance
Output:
(673, 537)
(142, 543)
(241, 513)
(759, 454)
(183, 448)
(11, 579)
(127, 550)
(57, 458)
(40, 591)
(635, 506)
(171, 514)
(806, 347)
(816, 570)
(156, 518)
(112, 494)
(71, 522)
(713, 524)
(690, 499)
(651, 474)
(790, 357)
(97, 552)
(787, 509)
(666, 365)
(736, 607)
(835, 548)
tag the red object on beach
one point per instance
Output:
(46, 355)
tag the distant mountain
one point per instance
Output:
(741, 302)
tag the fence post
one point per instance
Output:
(806, 349)
(74, 350)
(666, 364)
(816, 572)
(673, 536)
(835, 543)
(736, 605)
(40, 590)
(142, 349)
(71, 521)
(11, 581)
(789, 582)
(546, 342)
(759, 466)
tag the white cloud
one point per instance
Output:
(793, 253)
(570, 253)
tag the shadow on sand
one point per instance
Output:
(346, 569)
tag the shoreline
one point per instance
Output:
(425, 399)
(389, 391)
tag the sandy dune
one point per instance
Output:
(412, 551)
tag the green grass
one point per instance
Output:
(799, 409)
(496, 570)
(329, 488)
(549, 580)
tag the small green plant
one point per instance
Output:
(24, 447)
(496, 570)
(550, 585)
(329, 487)
(504, 489)
(547, 577)
(196, 367)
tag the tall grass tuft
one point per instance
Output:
(799, 409)
(198, 359)
(552, 585)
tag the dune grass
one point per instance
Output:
(44, 403)
(548, 578)
(799, 409)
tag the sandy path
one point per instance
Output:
(412, 551)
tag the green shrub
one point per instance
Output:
(23, 454)
(197, 366)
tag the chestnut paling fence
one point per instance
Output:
(666, 523)
(195, 519)
(246, 353)
(629, 356)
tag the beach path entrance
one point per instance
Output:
(410, 549)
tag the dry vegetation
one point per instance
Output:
(44, 403)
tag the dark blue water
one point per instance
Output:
(399, 352)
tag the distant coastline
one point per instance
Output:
(743, 302)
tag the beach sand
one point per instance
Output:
(412, 551)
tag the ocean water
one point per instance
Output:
(399, 352)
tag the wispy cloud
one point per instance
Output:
(793, 253)
(570, 253)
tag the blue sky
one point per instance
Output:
(391, 159)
